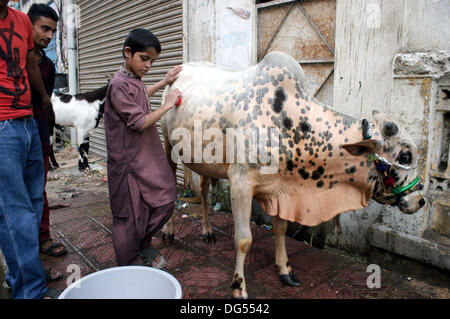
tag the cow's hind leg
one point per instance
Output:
(241, 204)
(285, 271)
(207, 231)
(168, 229)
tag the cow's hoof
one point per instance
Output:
(168, 239)
(236, 288)
(85, 162)
(290, 280)
(209, 238)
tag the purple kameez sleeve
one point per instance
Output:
(124, 97)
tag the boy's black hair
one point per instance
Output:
(38, 10)
(139, 40)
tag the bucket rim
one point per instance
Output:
(176, 283)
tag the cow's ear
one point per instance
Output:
(363, 147)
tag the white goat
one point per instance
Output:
(83, 112)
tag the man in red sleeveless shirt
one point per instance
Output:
(21, 161)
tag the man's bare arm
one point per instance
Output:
(35, 78)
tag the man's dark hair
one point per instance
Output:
(139, 40)
(39, 10)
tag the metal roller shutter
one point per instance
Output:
(104, 26)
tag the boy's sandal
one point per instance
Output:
(51, 250)
(48, 275)
(52, 293)
(149, 255)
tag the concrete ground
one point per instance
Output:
(81, 218)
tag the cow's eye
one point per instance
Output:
(404, 158)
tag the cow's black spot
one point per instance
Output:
(318, 173)
(305, 127)
(330, 147)
(320, 184)
(280, 97)
(287, 122)
(260, 93)
(351, 170)
(327, 135)
(303, 173)
(290, 165)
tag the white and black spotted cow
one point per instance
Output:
(328, 162)
(83, 112)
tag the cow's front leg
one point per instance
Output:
(241, 203)
(207, 231)
(285, 271)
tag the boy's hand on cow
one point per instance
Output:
(172, 75)
(172, 98)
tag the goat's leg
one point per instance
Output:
(285, 271)
(168, 229)
(82, 162)
(241, 204)
(207, 231)
(52, 154)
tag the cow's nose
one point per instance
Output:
(421, 203)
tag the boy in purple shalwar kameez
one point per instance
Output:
(142, 187)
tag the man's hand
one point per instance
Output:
(172, 75)
(48, 109)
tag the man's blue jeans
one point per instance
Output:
(21, 202)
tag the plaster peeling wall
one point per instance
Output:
(235, 33)
(217, 34)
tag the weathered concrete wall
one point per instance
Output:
(220, 32)
(200, 35)
(369, 35)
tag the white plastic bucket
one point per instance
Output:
(129, 282)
